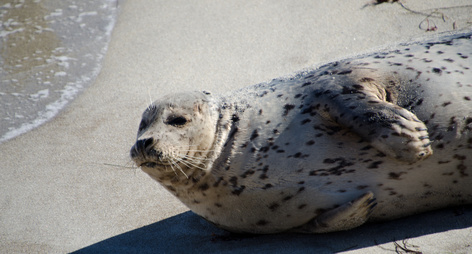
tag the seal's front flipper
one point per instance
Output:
(344, 217)
(368, 109)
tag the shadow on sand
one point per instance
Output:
(188, 233)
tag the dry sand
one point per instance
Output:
(67, 185)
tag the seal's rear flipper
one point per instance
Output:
(345, 217)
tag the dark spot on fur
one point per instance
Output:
(217, 182)
(267, 186)
(460, 157)
(301, 206)
(437, 70)
(287, 108)
(237, 191)
(344, 72)
(273, 206)
(254, 135)
(264, 149)
(287, 198)
(235, 118)
(375, 164)
(234, 181)
(363, 80)
(247, 173)
(204, 187)
(306, 84)
(395, 176)
(446, 103)
(309, 143)
(365, 148)
(306, 121)
(265, 169)
(443, 162)
(329, 161)
(262, 223)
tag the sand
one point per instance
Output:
(69, 185)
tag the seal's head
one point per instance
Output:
(176, 135)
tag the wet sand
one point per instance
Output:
(50, 51)
(69, 184)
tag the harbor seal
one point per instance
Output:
(370, 138)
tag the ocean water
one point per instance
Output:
(50, 51)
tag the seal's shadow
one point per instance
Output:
(188, 233)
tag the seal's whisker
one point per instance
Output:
(189, 163)
(173, 169)
(184, 146)
(150, 100)
(193, 157)
(180, 168)
(194, 160)
(200, 150)
(167, 170)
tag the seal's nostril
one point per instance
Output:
(141, 146)
(144, 144)
(147, 142)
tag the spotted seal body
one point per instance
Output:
(372, 138)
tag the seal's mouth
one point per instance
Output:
(148, 164)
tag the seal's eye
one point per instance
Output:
(176, 121)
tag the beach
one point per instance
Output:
(70, 185)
